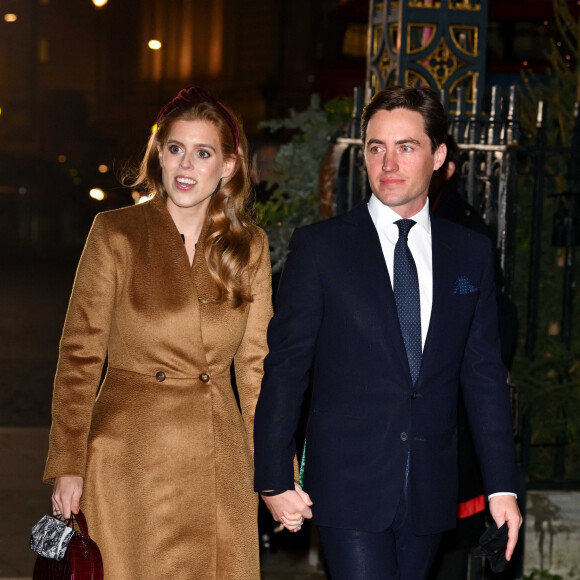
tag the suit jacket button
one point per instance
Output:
(403, 436)
(160, 376)
(204, 377)
(415, 395)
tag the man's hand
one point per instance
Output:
(504, 508)
(290, 508)
(66, 495)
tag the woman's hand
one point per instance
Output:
(290, 508)
(66, 495)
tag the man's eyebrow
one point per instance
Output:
(408, 140)
(404, 141)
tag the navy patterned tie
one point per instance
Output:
(406, 290)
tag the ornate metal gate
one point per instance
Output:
(437, 43)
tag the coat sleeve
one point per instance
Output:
(486, 392)
(249, 358)
(83, 349)
(292, 336)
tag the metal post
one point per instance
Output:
(506, 194)
(353, 185)
(570, 226)
(493, 138)
(460, 121)
(474, 135)
(536, 242)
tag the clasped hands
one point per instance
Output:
(290, 508)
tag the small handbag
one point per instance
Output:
(81, 559)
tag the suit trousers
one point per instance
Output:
(392, 554)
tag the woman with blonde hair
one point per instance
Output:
(172, 291)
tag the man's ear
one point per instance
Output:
(439, 155)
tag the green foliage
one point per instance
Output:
(549, 385)
(560, 90)
(294, 201)
(542, 575)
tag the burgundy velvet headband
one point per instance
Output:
(194, 95)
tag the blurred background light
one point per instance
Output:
(10, 17)
(154, 44)
(97, 193)
(139, 196)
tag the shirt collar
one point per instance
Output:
(383, 216)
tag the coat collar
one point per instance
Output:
(165, 227)
(165, 231)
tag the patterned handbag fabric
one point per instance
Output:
(50, 538)
(82, 559)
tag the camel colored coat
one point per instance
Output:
(164, 450)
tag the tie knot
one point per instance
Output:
(404, 227)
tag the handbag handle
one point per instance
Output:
(82, 523)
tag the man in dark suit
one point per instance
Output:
(395, 307)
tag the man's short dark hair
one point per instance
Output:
(422, 100)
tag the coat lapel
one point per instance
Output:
(170, 260)
(373, 269)
(444, 268)
(204, 284)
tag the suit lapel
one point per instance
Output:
(444, 269)
(373, 269)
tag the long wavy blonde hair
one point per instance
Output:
(230, 223)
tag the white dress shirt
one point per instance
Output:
(419, 242)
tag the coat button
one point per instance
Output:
(160, 376)
(416, 395)
(403, 436)
(204, 377)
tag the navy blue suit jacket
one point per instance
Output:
(335, 306)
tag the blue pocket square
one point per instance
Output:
(463, 286)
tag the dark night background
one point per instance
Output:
(79, 93)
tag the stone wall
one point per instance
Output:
(553, 533)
